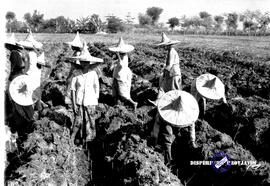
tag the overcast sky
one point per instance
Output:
(171, 8)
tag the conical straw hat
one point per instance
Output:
(179, 108)
(76, 41)
(166, 41)
(11, 43)
(30, 42)
(122, 47)
(210, 86)
(23, 91)
(86, 56)
(41, 59)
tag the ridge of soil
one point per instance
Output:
(122, 153)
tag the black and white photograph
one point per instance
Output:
(135, 93)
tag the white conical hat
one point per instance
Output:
(11, 42)
(122, 47)
(166, 41)
(179, 108)
(23, 91)
(30, 42)
(41, 60)
(210, 86)
(86, 56)
(76, 41)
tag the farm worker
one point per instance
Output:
(122, 75)
(21, 94)
(85, 94)
(177, 109)
(170, 79)
(76, 45)
(207, 86)
(35, 63)
(33, 47)
(11, 44)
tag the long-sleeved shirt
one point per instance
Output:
(86, 87)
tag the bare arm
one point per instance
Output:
(73, 99)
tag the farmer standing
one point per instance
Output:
(207, 86)
(36, 63)
(12, 45)
(76, 45)
(33, 48)
(122, 75)
(16, 114)
(170, 79)
(85, 94)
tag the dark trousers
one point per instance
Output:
(168, 133)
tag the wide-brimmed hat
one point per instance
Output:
(210, 86)
(41, 59)
(122, 47)
(11, 43)
(166, 41)
(86, 56)
(179, 108)
(77, 43)
(23, 91)
(30, 42)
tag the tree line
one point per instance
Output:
(247, 23)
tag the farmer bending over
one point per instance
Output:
(176, 109)
(207, 86)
